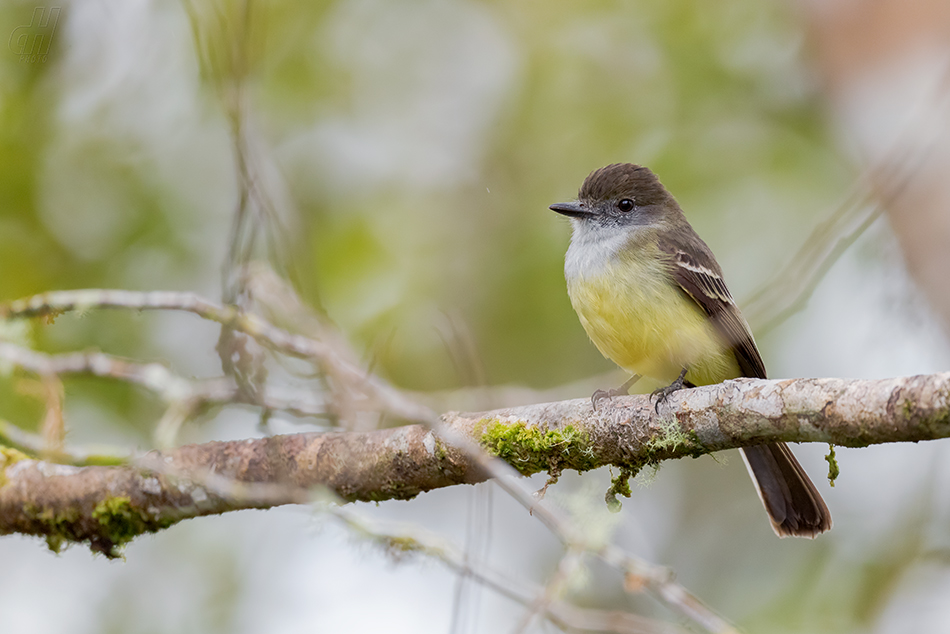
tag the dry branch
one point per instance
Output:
(107, 506)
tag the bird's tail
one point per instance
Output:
(790, 498)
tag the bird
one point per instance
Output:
(651, 296)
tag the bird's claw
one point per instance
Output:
(600, 395)
(663, 393)
(623, 390)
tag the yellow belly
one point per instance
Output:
(646, 325)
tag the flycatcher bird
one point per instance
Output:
(651, 296)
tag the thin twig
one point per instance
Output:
(400, 540)
(159, 380)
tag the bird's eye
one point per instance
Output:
(625, 205)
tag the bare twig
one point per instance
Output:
(159, 380)
(401, 540)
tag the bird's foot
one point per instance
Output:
(600, 395)
(662, 393)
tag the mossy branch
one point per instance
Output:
(106, 506)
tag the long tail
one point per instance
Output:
(791, 500)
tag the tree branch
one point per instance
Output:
(107, 506)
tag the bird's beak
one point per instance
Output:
(574, 209)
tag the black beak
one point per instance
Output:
(574, 209)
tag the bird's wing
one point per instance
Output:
(698, 274)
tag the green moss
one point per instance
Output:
(56, 543)
(531, 449)
(121, 523)
(833, 470)
(65, 527)
(118, 523)
(619, 485)
(60, 528)
(9, 456)
(118, 516)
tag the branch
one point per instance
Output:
(107, 506)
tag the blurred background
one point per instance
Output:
(409, 151)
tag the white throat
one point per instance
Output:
(592, 248)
